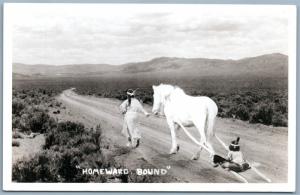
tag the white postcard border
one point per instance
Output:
(8, 185)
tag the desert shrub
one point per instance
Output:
(22, 171)
(67, 166)
(231, 113)
(65, 133)
(37, 169)
(56, 112)
(88, 148)
(242, 112)
(71, 127)
(58, 104)
(17, 135)
(16, 124)
(257, 106)
(239, 112)
(60, 160)
(17, 106)
(221, 112)
(281, 106)
(53, 139)
(263, 114)
(36, 119)
(38, 122)
(279, 120)
(15, 143)
(29, 110)
(67, 146)
(72, 134)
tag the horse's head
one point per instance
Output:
(160, 94)
(156, 100)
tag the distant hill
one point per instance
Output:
(270, 65)
(20, 76)
(63, 70)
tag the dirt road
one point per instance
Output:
(263, 144)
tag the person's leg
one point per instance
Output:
(219, 159)
(126, 133)
(232, 166)
(225, 165)
(130, 127)
(136, 139)
(124, 129)
(246, 166)
(236, 167)
(136, 134)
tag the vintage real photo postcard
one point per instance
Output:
(149, 97)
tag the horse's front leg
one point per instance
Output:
(175, 146)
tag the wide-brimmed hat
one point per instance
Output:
(234, 146)
(130, 92)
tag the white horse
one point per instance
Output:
(182, 110)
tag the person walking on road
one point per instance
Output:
(130, 109)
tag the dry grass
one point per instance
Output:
(15, 143)
(17, 135)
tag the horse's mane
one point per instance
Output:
(175, 87)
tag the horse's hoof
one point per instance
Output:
(195, 157)
(173, 151)
(137, 143)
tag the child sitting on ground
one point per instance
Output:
(235, 160)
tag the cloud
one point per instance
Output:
(117, 34)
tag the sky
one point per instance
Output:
(118, 34)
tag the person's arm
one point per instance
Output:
(229, 156)
(243, 157)
(123, 107)
(141, 109)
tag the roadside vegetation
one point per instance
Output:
(264, 106)
(256, 100)
(69, 146)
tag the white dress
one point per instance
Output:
(236, 156)
(130, 126)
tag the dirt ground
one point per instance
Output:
(28, 147)
(262, 144)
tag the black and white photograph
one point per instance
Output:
(149, 97)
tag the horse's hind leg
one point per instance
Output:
(175, 146)
(200, 125)
(196, 156)
(176, 127)
(210, 132)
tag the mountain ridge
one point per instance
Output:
(274, 65)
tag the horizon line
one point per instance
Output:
(107, 64)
